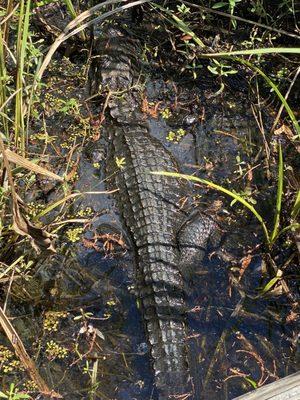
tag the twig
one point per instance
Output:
(11, 279)
(221, 341)
(7, 17)
(223, 14)
(286, 97)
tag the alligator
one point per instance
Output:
(166, 241)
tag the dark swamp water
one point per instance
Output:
(238, 337)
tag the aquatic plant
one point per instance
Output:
(13, 393)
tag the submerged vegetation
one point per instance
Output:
(50, 127)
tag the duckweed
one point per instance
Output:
(73, 234)
(176, 136)
(54, 350)
(52, 319)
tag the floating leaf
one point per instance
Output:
(251, 381)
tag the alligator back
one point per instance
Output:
(150, 208)
(149, 205)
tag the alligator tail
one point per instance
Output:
(164, 314)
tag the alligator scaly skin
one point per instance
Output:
(150, 209)
(148, 205)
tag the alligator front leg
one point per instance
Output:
(193, 237)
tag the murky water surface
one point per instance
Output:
(237, 338)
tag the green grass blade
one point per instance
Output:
(270, 284)
(73, 14)
(251, 381)
(22, 37)
(19, 91)
(70, 8)
(296, 207)
(220, 189)
(186, 30)
(3, 88)
(180, 24)
(268, 50)
(55, 204)
(276, 90)
(291, 227)
(278, 197)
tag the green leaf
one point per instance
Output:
(71, 8)
(213, 70)
(251, 381)
(221, 189)
(270, 284)
(220, 4)
(268, 50)
(231, 71)
(21, 396)
(278, 197)
(121, 162)
(296, 207)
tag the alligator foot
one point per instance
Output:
(193, 238)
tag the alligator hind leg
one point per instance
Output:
(193, 238)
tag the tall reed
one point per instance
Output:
(3, 88)
(20, 111)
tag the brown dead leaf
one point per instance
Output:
(250, 174)
(286, 130)
(245, 264)
(209, 166)
(292, 316)
(117, 239)
(110, 241)
(148, 109)
(40, 239)
(216, 206)
(145, 105)
(25, 163)
(89, 244)
(202, 116)
(235, 373)
(186, 37)
(73, 171)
